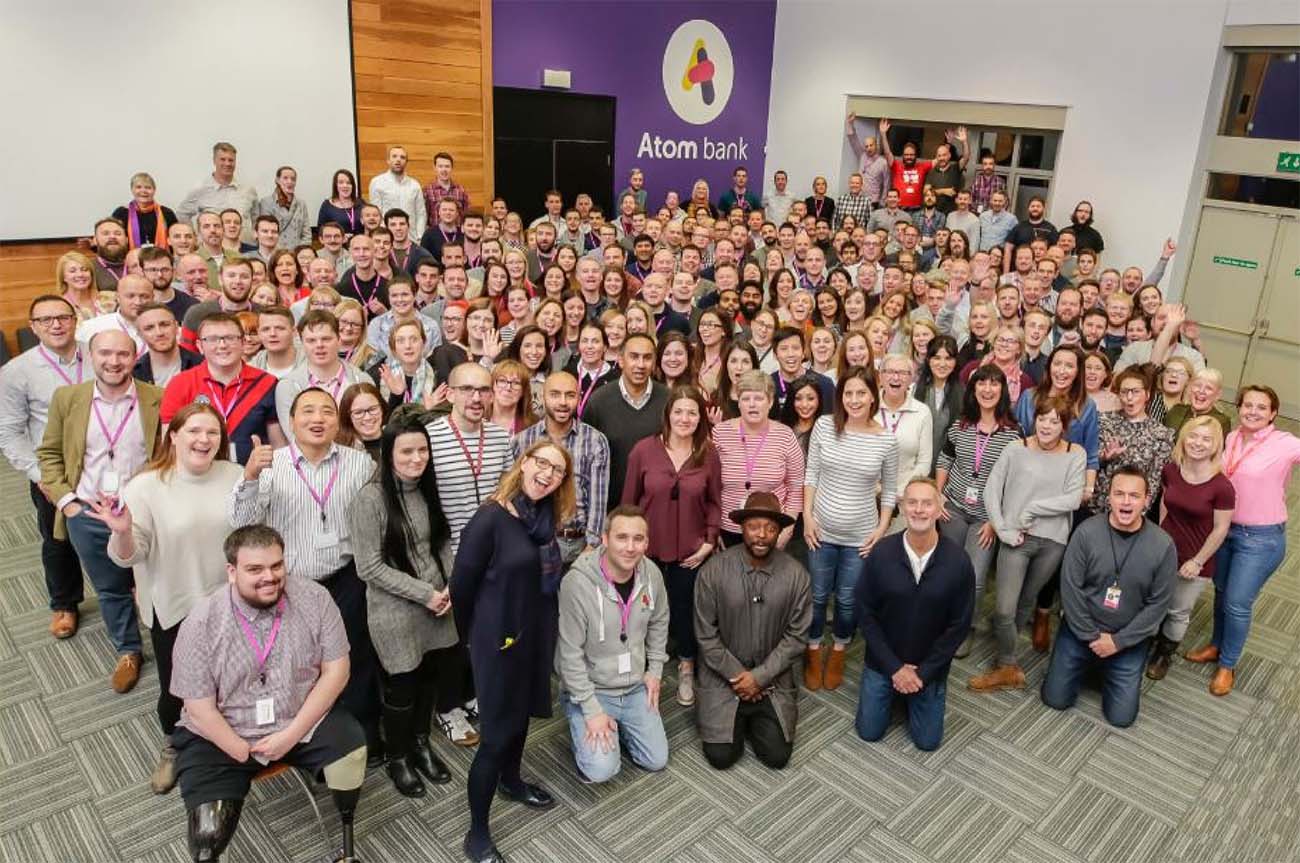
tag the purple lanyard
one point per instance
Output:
(624, 607)
(260, 652)
(324, 497)
(116, 436)
(751, 462)
(67, 379)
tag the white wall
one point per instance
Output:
(1135, 76)
(94, 92)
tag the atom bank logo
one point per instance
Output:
(698, 72)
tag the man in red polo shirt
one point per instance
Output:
(908, 173)
(245, 396)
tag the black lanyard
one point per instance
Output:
(1114, 554)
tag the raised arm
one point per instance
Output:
(851, 132)
(883, 126)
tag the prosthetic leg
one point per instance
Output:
(343, 778)
(210, 828)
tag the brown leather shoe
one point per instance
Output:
(127, 673)
(63, 624)
(1208, 653)
(812, 669)
(1221, 682)
(834, 675)
(1002, 677)
(1041, 637)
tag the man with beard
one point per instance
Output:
(109, 243)
(908, 173)
(1085, 235)
(985, 183)
(996, 222)
(221, 191)
(405, 256)
(192, 275)
(236, 285)
(1035, 227)
(1092, 331)
(156, 263)
(751, 302)
(753, 606)
(163, 358)
(100, 433)
(543, 255)
(396, 190)
(233, 722)
(946, 171)
(590, 451)
(1116, 580)
(471, 229)
(1069, 310)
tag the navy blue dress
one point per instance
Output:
(509, 624)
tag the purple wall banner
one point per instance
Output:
(691, 79)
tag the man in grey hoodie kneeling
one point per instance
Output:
(612, 649)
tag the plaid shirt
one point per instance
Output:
(983, 187)
(858, 206)
(590, 451)
(433, 193)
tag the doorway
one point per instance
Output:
(1244, 283)
(548, 140)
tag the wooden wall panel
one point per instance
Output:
(422, 77)
(424, 80)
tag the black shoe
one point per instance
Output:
(491, 855)
(428, 765)
(406, 780)
(532, 796)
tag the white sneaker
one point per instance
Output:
(457, 728)
(471, 710)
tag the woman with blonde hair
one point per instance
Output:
(1171, 387)
(504, 594)
(923, 332)
(512, 233)
(640, 319)
(880, 335)
(1196, 506)
(169, 525)
(352, 334)
(511, 405)
(75, 279)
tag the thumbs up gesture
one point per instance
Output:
(259, 459)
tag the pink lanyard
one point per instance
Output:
(980, 447)
(582, 402)
(116, 436)
(624, 606)
(225, 408)
(898, 420)
(334, 385)
(67, 379)
(117, 274)
(379, 280)
(260, 653)
(751, 462)
(324, 497)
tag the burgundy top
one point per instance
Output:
(1189, 511)
(679, 524)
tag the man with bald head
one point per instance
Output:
(100, 433)
(654, 293)
(873, 165)
(133, 293)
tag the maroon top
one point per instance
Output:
(679, 524)
(1189, 511)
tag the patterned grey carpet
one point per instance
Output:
(1196, 779)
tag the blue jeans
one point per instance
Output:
(924, 710)
(1242, 565)
(113, 584)
(835, 570)
(1122, 677)
(640, 731)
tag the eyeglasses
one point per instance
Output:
(349, 326)
(547, 466)
(221, 340)
(1132, 391)
(51, 320)
(508, 383)
(365, 413)
(472, 391)
(710, 325)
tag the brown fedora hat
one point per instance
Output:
(761, 504)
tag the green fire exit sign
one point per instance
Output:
(1288, 163)
(1225, 261)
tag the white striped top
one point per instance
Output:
(846, 471)
(459, 491)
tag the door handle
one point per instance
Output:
(1263, 327)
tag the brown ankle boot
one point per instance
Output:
(834, 670)
(1221, 682)
(812, 669)
(1208, 653)
(1162, 653)
(1002, 677)
(1042, 632)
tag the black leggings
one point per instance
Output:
(435, 682)
(163, 642)
(680, 582)
(496, 760)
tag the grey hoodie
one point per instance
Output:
(586, 657)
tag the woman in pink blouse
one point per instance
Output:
(1257, 459)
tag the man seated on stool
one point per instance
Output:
(612, 649)
(252, 695)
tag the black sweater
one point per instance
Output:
(922, 624)
(623, 425)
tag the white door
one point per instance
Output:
(1275, 352)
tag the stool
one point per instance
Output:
(274, 769)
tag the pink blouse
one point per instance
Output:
(1259, 470)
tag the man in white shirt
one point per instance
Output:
(776, 206)
(133, 293)
(221, 191)
(962, 219)
(394, 189)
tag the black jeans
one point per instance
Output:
(680, 582)
(756, 722)
(361, 694)
(164, 641)
(63, 578)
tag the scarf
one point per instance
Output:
(538, 518)
(421, 381)
(134, 232)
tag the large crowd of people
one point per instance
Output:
(380, 477)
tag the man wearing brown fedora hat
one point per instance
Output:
(753, 606)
